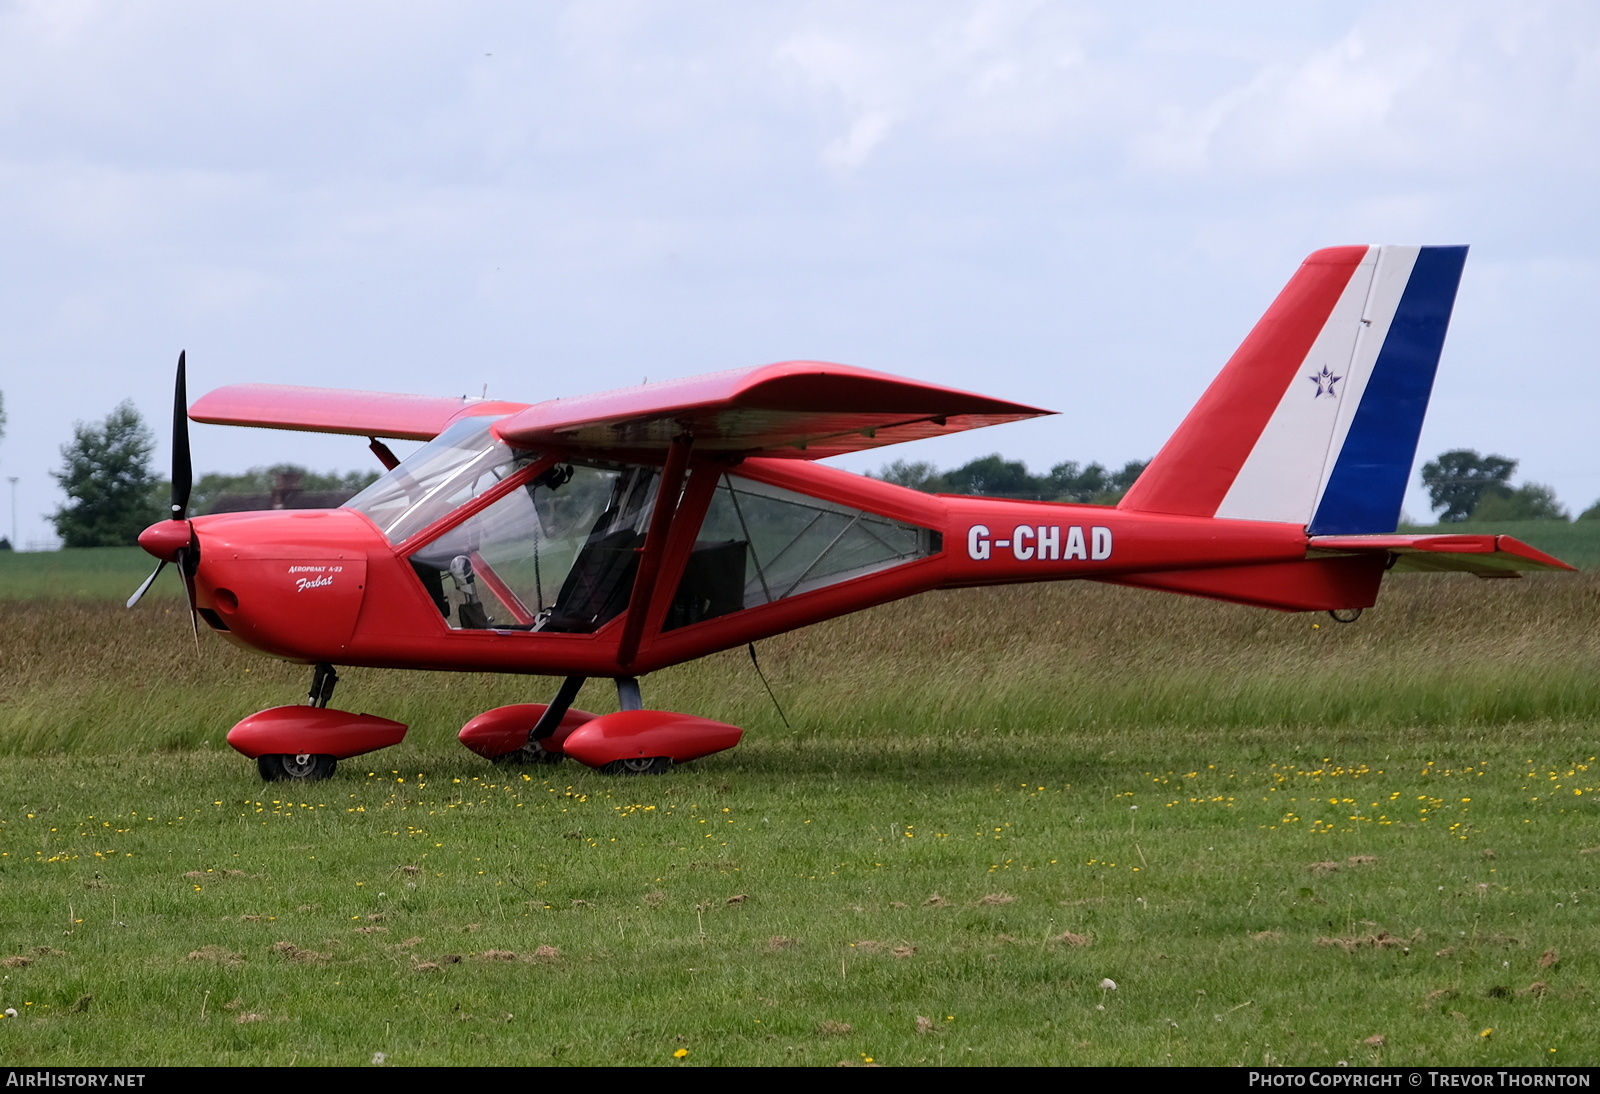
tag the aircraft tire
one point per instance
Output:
(530, 754)
(276, 767)
(644, 765)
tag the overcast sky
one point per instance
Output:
(1080, 206)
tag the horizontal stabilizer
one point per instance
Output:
(329, 410)
(1484, 555)
(797, 409)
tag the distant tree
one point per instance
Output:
(1068, 482)
(1458, 478)
(1129, 474)
(1591, 513)
(1530, 501)
(1119, 483)
(994, 477)
(914, 476)
(106, 475)
(5, 544)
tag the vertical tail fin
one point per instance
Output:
(1315, 418)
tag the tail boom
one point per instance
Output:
(993, 542)
(1259, 563)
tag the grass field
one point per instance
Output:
(101, 573)
(1284, 840)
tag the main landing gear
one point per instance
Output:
(305, 743)
(644, 765)
(633, 741)
(540, 746)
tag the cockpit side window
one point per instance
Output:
(761, 543)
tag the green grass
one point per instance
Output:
(878, 884)
(1342, 832)
(96, 573)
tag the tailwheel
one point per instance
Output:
(303, 767)
(641, 765)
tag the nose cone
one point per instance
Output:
(166, 538)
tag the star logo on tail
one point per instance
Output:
(1324, 381)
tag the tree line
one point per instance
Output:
(995, 477)
(1462, 485)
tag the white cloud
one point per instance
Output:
(1407, 89)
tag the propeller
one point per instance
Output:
(173, 539)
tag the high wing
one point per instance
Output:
(329, 410)
(1483, 555)
(798, 409)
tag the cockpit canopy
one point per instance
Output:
(443, 475)
(554, 545)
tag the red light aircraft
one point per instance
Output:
(616, 534)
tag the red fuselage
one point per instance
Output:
(328, 586)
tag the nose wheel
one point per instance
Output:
(304, 767)
(304, 743)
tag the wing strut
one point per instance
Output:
(655, 545)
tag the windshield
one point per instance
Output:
(441, 476)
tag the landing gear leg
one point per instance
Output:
(323, 681)
(628, 697)
(550, 720)
(533, 752)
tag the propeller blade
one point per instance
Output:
(182, 471)
(161, 539)
(149, 581)
(188, 563)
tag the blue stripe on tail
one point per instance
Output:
(1369, 480)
